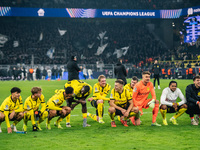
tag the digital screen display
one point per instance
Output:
(192, 29)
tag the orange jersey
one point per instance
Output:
(141, 92)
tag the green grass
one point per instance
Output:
(98, 136)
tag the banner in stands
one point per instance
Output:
(97, 13)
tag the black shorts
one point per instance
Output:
(58, 111)
(94, 104)
(171, 109)
(118, 112)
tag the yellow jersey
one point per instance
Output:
(56, 100)
(128, 87)
(34, 104)
(121, 99)
(9, 105)
(101, 92)
(77, 85)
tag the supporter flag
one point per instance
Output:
(62, 32)
(41, 36)
(15, 43)
(90, 45)
(101, 49)
(50, 52)
(102, 34)
(121, 51)
(3, 40)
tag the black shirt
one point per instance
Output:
(73, 70)
(192, 94)
(156, 69)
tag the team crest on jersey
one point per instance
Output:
(148, 88)
(199, 94)
(135, 89)
(56, 101)
(96, 90)
(7, 107)
(28, 107)
(111, 95)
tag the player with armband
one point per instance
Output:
(140, 95)
(31, 109)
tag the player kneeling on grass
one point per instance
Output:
(12, 110)
(140, 95)
(55, 108)
(31, 109)
(169, 104)
(121, 104)
(101, 90)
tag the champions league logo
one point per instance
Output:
(190, 11)
(41, 12)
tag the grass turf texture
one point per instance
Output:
(98, 136)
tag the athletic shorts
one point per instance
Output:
(171, 109)
(118, 112)
(94, 104)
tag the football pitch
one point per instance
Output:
(98, 136)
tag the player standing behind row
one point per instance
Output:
(31, 109)
(55, 108)
(121, 104)
(81, 91)
(101, 90)
(12, 110)
(140, 95)
(130, 87)
(169, 104)
(156, 71)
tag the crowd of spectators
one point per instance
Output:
(103, 4)
(36, 36)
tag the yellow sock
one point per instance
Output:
(59, 120)
(180, 112)
(100, 109)
(93, 117)
(163, 113)
(112, 116)
(43, 117)
(68, 118)
(48, 121)
(132, 114)
(26, 117)
(84, 115)
(15, 122)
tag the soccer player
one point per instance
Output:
(156, 70)
(140, 95)
(81, 91)
(193, 98)
(130, 87)
(55, 108)
(12, 110)
(101, 90)
(169, 104)
(121, 104)
(31, 109)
